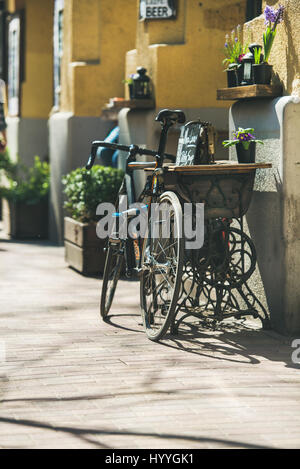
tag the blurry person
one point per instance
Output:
(107, 156)
(3, 125)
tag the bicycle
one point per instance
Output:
(209, 282)
(157, 261)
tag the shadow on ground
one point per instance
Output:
(232, 341)
(86, 433)
(229, 342)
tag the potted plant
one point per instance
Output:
(84, 191)
(245, 144)
(6, 166)
(262, 70)
(234, 51)
(233, 75)
(25, 198)
(129, 82)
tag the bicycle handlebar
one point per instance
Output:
(117, 146)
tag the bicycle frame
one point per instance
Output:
(167, 118)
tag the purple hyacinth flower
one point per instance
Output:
(270, 15)
(279, 14)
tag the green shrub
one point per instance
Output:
(85, 190)
(7, 165)
(29, 185)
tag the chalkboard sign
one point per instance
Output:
(196, 144)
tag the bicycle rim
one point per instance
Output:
(162, 264)
(113, 267)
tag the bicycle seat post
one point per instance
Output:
(163, 142)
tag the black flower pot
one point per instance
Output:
(240, 75)
(246, 156)
(234, 76)
(262, 74)
(131, 93)
(231, 78)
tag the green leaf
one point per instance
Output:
(246, 145)
(85, 190)
(27, 184)
(229, 143)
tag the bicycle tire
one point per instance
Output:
(112, 270)
(160, 259)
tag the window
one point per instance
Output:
(2, 41)
(58, 49)
(14, 64)
(254, 8)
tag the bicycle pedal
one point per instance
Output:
(138, 272)
(114, 240)
(131, 273)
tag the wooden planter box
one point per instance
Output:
(25, 221)
(84, 251)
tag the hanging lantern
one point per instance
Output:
(141, 84)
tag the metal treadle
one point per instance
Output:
(214, 281)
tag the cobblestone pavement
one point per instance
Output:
(68, 380)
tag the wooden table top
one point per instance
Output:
(220, 167)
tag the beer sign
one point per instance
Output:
(157, 9)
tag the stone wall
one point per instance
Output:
(285, 53)
(274, 214)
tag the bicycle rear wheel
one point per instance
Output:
(113, 267)
(162, 264)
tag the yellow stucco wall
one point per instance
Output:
(13, 5)
(37, 88)
(184, 55)
(97, 35)
(285, 53)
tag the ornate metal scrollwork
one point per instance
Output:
(214, 281)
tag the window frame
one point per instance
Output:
(15, 26)
(3, 42)
(58, 33)
(253, 9)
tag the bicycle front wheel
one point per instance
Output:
(113, 267)
(162, 264)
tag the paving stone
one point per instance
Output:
(72, 381)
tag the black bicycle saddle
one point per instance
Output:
(173, 116)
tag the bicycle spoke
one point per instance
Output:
(162, 267)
